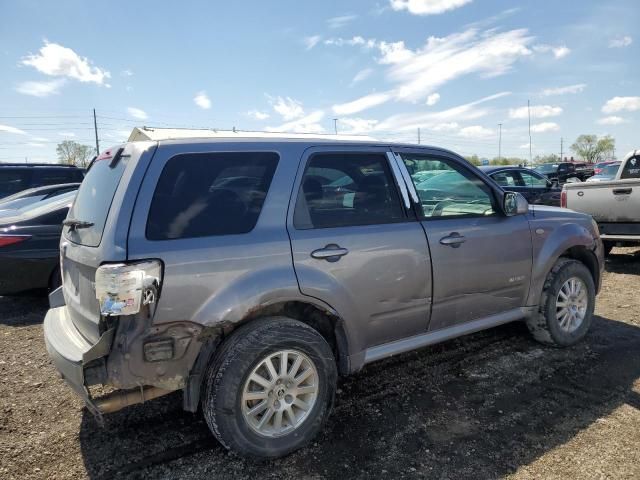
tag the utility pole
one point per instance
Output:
(418, 135)
(561, 148)
(529, 113)
(335, 125)
(95, 129)
(499, 142)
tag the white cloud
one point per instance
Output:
(618, 104)
(559, 51)
(355, 41)
(611, 120)
(66, 134)
(476, 131)
(287, 107)
(545, 127)
(340, 21)
(202, 100)
(525, 146)
(577, 88)
(361, 75)
(257, 115)
(620, 41)
(427, 7)
(137, 113)
(537, 111)
(126, 73)
(433, 99)
(306, 124)
(312, 41)
(56, 60)
(356, 125)
(10, 129)
(40, 89)
(361, 104)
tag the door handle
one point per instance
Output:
(453, 240)
(622, 191)
(330, 253)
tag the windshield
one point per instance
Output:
(94, 200)
(547, 168)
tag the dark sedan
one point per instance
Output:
(29, 251)
(33, 195)
(535, 187)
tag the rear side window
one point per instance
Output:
(340, 190)
(631, 168)
(13, 180)
(94, 199)
(208, 194)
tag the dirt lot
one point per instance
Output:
(494, 404)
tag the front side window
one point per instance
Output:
(531, 180)
(506, 179)
(208, 194)
(631, 169)
(451, 191)
(340, 190)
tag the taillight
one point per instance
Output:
(6, 240)
(122, 288)
(563, 199)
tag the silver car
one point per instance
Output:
(250, 273)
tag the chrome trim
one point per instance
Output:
(399, 180)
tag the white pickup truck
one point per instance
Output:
(614, 205)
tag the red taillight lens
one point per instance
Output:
(563, 199)
(6, 240)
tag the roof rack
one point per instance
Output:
(64, 165)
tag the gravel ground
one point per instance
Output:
(493, 404)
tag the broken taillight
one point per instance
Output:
(6, 240)
(122, 288)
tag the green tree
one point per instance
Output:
(593, 149)
(74, 153)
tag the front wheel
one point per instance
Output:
(270, 388)
(566, 305)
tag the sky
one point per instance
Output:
(454, 70)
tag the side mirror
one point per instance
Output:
(514, 204)
(553, 183)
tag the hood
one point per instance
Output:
(551, 213)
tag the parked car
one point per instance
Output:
(33, 195)
(16, 177)
(614, 204)
(252, 300)
(606, 173)
(565, 171)
(534, 186)
(598, 167)
(29, 245)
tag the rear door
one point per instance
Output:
(357, 245)
(481, 259)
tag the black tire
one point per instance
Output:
(232, 365)
(544, 325)
(608, 246)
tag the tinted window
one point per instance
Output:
(531, 180)
(453, 191)
(12, 181)
(94, 200)
(631, 168)
(55, 176)
(340, 190)
(201, 195)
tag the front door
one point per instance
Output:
(357, 246)
(481, 258)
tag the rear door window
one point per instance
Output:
(13, 180)
(631, 168)
(94, 199)
(208, 194)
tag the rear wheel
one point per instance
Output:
(270, 388)
(566, 305)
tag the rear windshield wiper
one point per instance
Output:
(74, 224)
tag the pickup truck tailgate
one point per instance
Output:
(609, 202)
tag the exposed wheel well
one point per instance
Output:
(587, 257)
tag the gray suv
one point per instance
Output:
(250, 273)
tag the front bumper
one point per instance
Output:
(70, 352)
